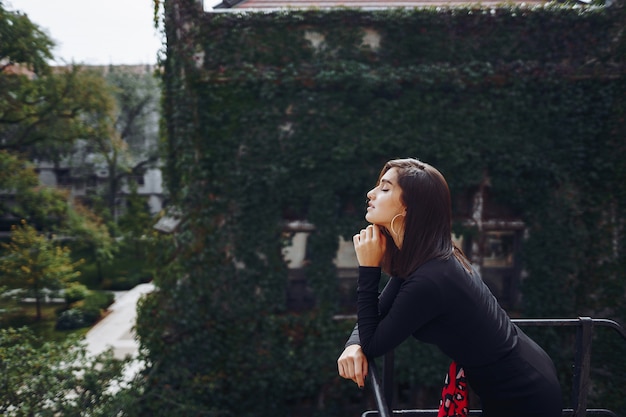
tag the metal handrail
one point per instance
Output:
(382, 392)
(571, 322)
(567, 412)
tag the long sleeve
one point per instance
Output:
(385, 300)
(405, 306)
(354, 337)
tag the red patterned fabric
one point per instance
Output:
(454, 401)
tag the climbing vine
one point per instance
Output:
(289, 115)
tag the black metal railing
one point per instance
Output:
(382, 385)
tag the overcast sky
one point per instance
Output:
(96, 32)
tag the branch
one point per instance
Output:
(132, 115)
(137, 168)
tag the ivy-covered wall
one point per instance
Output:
(274, 116)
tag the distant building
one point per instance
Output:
(150, 183)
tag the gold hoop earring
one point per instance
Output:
(392, 220)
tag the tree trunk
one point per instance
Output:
(38, 305)
(99, 269)
(113, 184)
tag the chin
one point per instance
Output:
(372, 221)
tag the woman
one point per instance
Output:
(436, 296)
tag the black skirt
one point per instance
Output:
(521, 384)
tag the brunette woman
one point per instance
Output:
(436, 296)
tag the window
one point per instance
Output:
(499, 249)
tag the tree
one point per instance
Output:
(43, 116)
(44, 112)
(89, 232)
(40, 107)
(61, 114)
(126, 142)
(34, 263)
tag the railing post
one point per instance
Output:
(379, 397)
(582, 365)
(388, 368)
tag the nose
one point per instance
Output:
(370, 194)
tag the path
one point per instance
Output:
(116, 329)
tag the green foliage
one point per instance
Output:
(125, 269)
(50, 379)
(34, 263)
(136, 223)
(85, 312)
(15, 173)
(262, 126)
(98, 300)
(43, 116)
(71, 319)
(75, 292)
(43, 206)
(23, 41)
(92, 237)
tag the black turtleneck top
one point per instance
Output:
(440, 303)
(444, 304)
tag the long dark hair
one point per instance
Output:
(428, 221)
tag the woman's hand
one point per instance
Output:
(370, 246)
(352, 364)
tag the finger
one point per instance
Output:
(379, 236)
(348, 369)
(359, 380)
(358, 373)
(365, 368)
(375, 233)
(363, 237)
(343, 366)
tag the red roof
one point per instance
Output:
(363, 4)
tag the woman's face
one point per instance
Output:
(384, 200)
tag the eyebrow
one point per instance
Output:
(386, 181)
